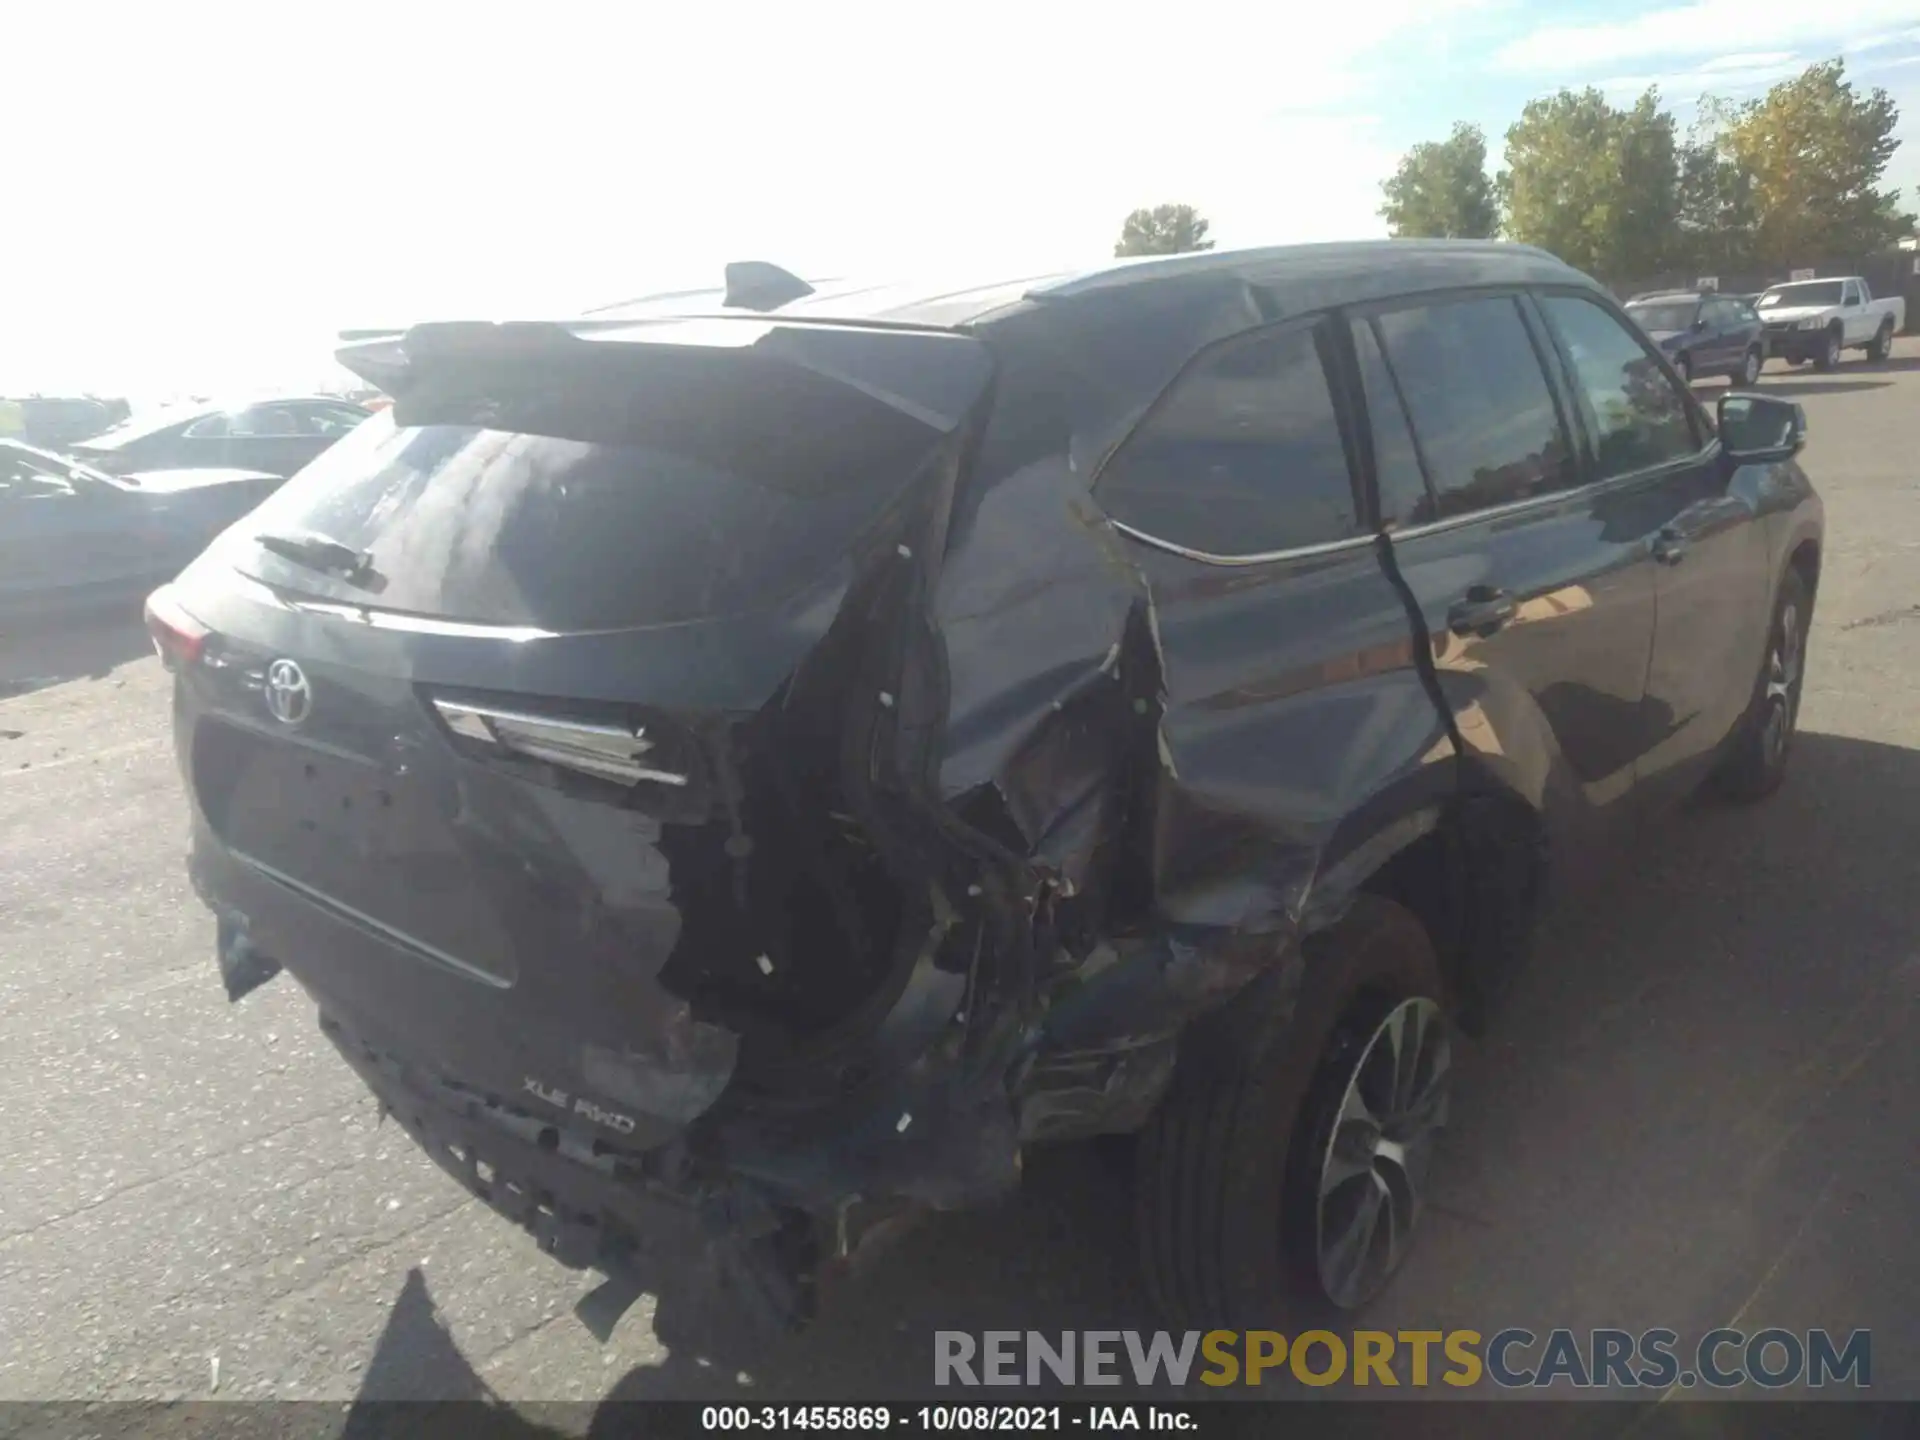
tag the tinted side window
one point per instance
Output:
(1479, 403)
(266, 421)
(1242, 457)
(1404, 499)
(329, 419)
(1638, 416)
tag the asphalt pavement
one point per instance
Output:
(1697, 1109)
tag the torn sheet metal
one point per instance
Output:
(974, 821)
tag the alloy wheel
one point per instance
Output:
(1784, 666)
(1832, 352)
(1750, 368)
(1374, 1167)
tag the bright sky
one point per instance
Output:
(201, 193)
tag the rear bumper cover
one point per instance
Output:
(932, 1135)
(576, 1204)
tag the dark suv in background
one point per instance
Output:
(1704, 334)
(750, 767)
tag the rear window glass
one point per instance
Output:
(1665, 315)
(1808, 292)
(635, 489)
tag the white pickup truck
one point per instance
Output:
(1818, 319)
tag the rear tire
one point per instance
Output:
(1291, 1136)
(1756, 763)
(1748, 374)
(1882, 345)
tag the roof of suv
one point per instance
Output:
(1293, 277)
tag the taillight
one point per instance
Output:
(621, 753)
(178, 638)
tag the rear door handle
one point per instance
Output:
(1670, 547)
(1482, 611)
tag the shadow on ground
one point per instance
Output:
(1791, 387)
(83, 645)
(1803, 907)
(1752, 941)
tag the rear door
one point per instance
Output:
(1535, 584)
(1712, 565)
(1752, 333)
(1723, 326)
(1292, 690)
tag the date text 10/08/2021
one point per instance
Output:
(924, 1418)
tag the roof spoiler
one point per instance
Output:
(382, 357)
(376, 356)
(387, 358)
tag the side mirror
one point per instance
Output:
(1757, 429)
(1699, 322)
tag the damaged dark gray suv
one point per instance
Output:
(749, 766)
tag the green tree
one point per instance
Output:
(1597, 186)
(1441, 189)
(1163, 230)
(1715, 219)
(1813, 151)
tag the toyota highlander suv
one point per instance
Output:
(749, 767)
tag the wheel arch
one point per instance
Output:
(1475, 880)
(1805, 561)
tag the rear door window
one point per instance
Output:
(618, 485)
(1242, 457)
(1638, 417)
(1404, 497)
(1479, 401)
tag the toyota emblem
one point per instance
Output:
(289, 696)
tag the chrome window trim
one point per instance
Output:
(1633, 480)
(1630, 481)
(1298, 552)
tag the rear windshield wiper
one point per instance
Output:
(330, 557)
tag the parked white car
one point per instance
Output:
(1818, 320)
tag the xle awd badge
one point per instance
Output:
(289, 696)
